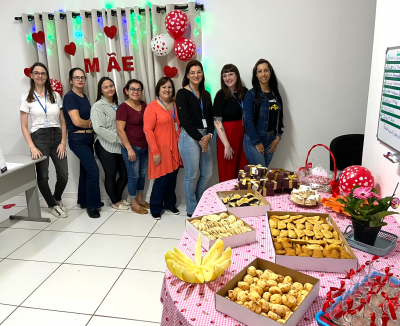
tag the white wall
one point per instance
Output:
(320, 50)
(387, 34)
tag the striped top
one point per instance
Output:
(105, 125)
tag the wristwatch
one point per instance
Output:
(210, 134)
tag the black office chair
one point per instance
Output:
(347, 150)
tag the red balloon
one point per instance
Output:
(176, 23)
(185, 48)
(56, 86)
(355, 175)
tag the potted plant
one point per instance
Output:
(367, 210)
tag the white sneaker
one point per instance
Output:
(61, 205)
(126, 203)
(120, 207)
(58, 212)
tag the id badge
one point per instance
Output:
(204, 123)
(176, 126)
(46, 122)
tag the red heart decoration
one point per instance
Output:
(38, 37)
(110, 31)
(8, 206)
(27, 72)
(170, 72)
(70, 48)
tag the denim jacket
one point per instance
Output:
(257, 135)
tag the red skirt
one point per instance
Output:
(229, 169)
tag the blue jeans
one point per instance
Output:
(137, 170)
(194, 161)
(89, 189)
(163, 193)
(253, 155)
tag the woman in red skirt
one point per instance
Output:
(228, 113)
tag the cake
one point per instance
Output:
(305, 196)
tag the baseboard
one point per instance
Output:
(179, 200)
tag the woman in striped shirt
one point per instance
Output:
(108, 145)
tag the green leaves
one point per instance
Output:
(368, 212)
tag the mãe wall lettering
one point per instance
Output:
(93, 65)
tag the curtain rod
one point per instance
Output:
(113, 12)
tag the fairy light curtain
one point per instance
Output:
(135, 29)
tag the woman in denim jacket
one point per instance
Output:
(263, 115)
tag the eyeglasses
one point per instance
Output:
(79, 78)
(135, 90)
(109, 87)
(225, 76)
(37, 74)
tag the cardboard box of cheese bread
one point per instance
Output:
(291, 299)
(223, 225)
(310, 241)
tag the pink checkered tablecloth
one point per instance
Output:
(194, 304)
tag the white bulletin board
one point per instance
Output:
(389, 116)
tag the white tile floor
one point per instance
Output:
(80, 271)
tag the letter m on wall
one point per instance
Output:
(92, 66)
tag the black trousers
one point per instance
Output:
(47, 140)
(112, 164)
(163, 193)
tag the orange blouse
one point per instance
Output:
(159, 128)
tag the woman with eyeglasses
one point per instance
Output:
(195, 114)
(161, 126)
(47, 136)
(107, 144)
(81, 139)
(228, 121)
(263, 115)
(134, 145)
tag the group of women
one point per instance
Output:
(133, 138)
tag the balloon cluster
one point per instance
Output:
(176, 24)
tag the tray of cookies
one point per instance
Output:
(244, 203)
(223, 225)
(265, 293)
(310, 241)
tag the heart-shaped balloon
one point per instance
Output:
(176, 23)
(170, 72)
(38, 37)
(70, 48)
(162, 44)
(110, 31)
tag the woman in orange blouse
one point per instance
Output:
(161, 126)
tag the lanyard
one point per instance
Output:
(240, 103)
(173, 105)
(114, 108)
(45, 105)
(201, 100)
